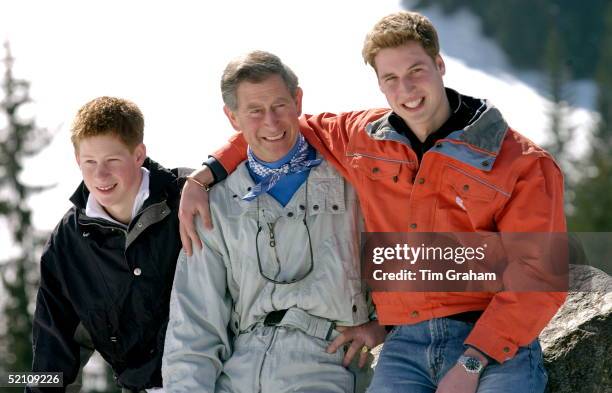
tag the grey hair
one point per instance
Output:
(254, 67)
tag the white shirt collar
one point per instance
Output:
(93, 209)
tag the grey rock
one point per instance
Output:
(577, 343)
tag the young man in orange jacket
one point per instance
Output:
(437, 161)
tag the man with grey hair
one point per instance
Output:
(278, 280)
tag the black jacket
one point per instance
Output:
(113, 282)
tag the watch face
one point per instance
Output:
(470, 364)
(473, 364)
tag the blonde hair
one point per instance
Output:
(398, 29)
(109, 116)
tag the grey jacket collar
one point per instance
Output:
(485, 132)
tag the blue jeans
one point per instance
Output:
(415, 358)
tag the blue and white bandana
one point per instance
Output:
(298, 163)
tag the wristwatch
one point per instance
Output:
(471, 364)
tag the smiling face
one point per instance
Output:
(412, 83)
(111, 172)
(267, 115)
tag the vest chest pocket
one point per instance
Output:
(470, 187)
(467, 202)
(326, 196)
(376, 168)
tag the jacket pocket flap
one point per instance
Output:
(375, 168)
(469, 186)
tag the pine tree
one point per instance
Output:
(19, 139)
(561, 132)
(559, 110)
(593, 202)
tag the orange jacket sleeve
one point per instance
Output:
(232, 153)
(514, 319)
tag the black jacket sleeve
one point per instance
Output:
(55, 322)
(219, 173)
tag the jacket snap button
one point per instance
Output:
(438, 145)
(421, 180)
(466, 187)
(413, 226)
(248, 188)
(375, 170)
(290, 214)
(506, 349)
(335, 207)
(139, 225)
(137, 271)
(315, 207)
(354, 308)
(395, 179)
(302, 207)
(414, 314)
(485, 163)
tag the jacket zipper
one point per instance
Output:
(101, 225)
(379, 158)
(113, 337)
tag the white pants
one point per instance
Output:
(278, 359)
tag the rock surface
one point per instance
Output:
(577, 343)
